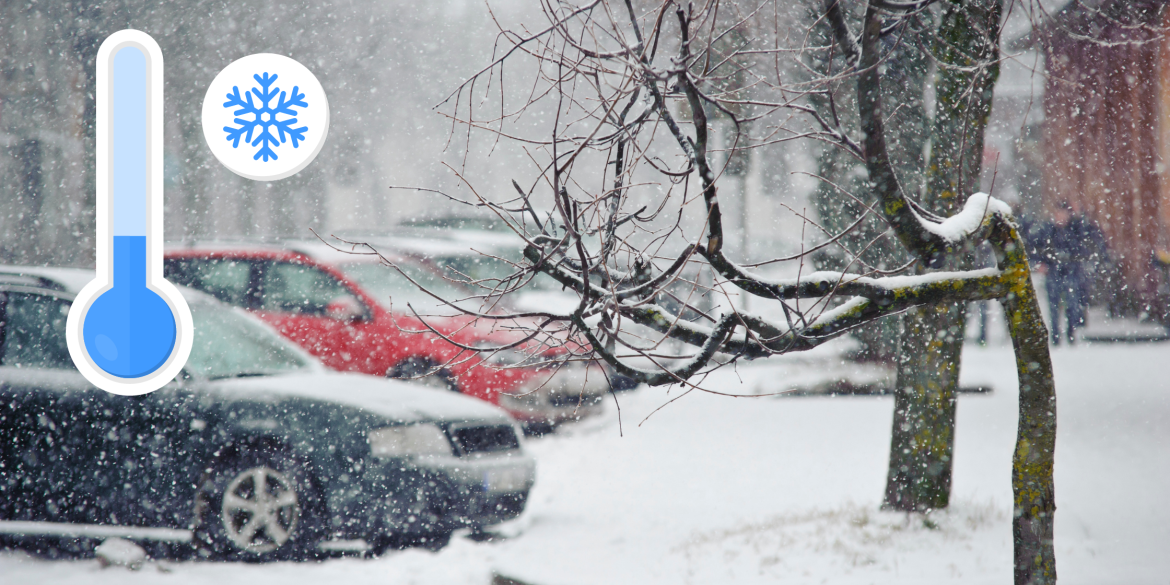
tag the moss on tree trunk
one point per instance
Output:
(919, 478)
(1032, 484)
(1034, 502)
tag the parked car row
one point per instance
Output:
(255, 451)
(266, 449)
(358, 315)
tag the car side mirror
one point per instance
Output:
(345, 308)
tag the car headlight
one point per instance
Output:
(400, 441)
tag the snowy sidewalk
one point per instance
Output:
(786, 489)
(1102, 328)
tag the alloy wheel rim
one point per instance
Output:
(260, 510)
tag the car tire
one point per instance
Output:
(258, 506)
(424, 371)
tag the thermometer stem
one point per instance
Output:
(130, 153)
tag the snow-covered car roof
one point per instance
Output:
(72, 280)
(229, 244)
(337, 252)
(427, 247)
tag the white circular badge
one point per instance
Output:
(265, 117)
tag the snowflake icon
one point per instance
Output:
(270, 130)
(249, 116)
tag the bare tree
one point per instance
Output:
(614, 103)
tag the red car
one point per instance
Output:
(337, 306)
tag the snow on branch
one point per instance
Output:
(968, 223)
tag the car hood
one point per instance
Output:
(398, 401)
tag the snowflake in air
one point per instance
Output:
(264, 119)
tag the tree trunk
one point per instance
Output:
(1032, 484)
(923, 437)
(1034, 501)
(931, 343)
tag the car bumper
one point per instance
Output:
(485, 489)
(435, 495)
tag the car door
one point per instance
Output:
(159, 444)
(317, 311)
(53, 465)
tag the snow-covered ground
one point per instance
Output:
(713, 489)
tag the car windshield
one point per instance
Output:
(229, 344)
(387, 286)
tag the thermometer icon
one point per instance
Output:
(129, 330)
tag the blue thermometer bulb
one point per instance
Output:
(129, 331)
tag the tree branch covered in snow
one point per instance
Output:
(634, 115)
(630, 170)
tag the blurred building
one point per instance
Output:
(384, 66)
(46, 211)
(1106, 132)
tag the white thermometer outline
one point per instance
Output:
(184, 334)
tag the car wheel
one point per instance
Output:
(426, 372)
(257, 507)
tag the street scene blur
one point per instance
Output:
(608, 291)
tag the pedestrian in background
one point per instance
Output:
(1063, 246)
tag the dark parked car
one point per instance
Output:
(256, 451)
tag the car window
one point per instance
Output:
(490, 270)
(473, 266)
(223, 278)
(229, 344)
(295, 288)
(386, 284)
(34, 332)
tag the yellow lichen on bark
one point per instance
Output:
(1032, 465)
